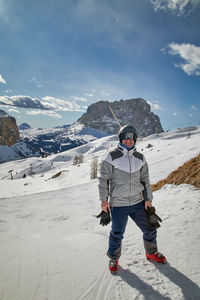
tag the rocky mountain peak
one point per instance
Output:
(9, 133)
(136, 112)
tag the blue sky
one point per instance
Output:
(59, 56)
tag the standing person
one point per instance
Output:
(125, 191)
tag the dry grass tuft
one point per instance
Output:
(188, 173)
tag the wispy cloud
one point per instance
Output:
(47, 103)
(191, 55)
(155, 106)
(35, 82)
(53, 103)
(48, 113)
(13, 110)
(48, 106)
(75, 98)
(89, 95)
(180, 7)
(2, 80)
(22, 101)
(175, 113)
(193, 107)
(104, 93)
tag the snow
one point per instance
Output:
(51, 140)
(16, 151)
(52, 246)
(74, 131)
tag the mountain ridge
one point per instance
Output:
(97, 122)
(136, 112)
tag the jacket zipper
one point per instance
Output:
(130, 179)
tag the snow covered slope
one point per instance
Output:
(169, 151)
(59, 139)
(17, 151)
(52, 246)
(35, 142)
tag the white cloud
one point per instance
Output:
(175, 113)
(190, 115)
(47, 103)
(154, 106)
(191, 55)
(13, 110)
(2, 80)
(22, 101)
(5, 100)
(180, 7)
(8, 91)
(48, 113)
(53, 103)
(193, 107)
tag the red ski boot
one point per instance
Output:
(113, 266)
(156, 256)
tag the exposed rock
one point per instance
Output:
(136, 112)
(149, 146)
(9, 133)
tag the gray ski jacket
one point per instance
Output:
(124, 178)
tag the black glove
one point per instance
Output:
(105, 217)
(153, 217)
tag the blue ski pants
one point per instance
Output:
(119, 221)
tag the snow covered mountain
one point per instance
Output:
(38, 142)
(96, 123)
(59, 139)
(24, 126)
(52, 246)
(17, 151)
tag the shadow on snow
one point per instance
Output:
(190, 290)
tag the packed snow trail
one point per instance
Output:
(52, 247)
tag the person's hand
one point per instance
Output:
(105, 206)
(148, 204)
(105, 217)
(153, 218)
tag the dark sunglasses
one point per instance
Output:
(128, 135)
